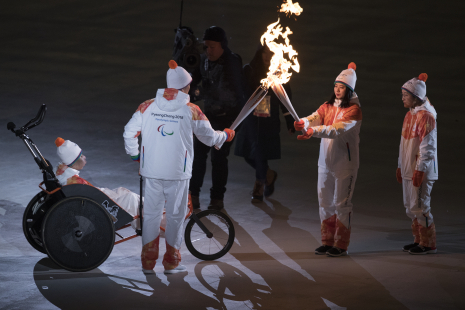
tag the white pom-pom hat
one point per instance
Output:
(177, 77)
(417, 86)
(348, 77)
(69, 152)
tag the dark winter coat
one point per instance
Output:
(222, 87)
(261, 133)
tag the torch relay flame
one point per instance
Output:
(278, 73)
(291, 8)
(279, 68)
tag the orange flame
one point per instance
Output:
(279, 68)
(291, 8)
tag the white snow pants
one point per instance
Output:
(156, 192)
(417, 201)
(335, 190)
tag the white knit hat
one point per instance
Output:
(177, 77)
(348, 77)
(417, 86)
(69, 152)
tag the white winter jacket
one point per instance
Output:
(339, 129)
(419, 142)
(167, 124)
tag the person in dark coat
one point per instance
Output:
(220, 74)
(258, 138)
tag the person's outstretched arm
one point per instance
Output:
(203, 130)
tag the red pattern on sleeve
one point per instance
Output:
(143, 106)
(197, 114)
(425, 124)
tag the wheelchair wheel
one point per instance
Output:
(32, 221)
(218, 243)
(78, 234)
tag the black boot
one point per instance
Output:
(216, 204)
(271, 177)
(257, 193)
(195, 201)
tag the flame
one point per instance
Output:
(279, 67)
(291, 8)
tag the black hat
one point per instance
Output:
(216, 34)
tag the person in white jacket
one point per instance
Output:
(418, 164)
(167, 124)
(73, 161)
(337, 122)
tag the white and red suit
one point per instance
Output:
(418, 151)
(338, 164)
(167, 124)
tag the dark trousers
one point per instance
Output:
(260, 166)
(219, 159)
(256, 158)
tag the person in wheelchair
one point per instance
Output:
(167, 124)
(73, 161)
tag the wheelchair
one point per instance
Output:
(75, 225)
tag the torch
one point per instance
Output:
(249, 106)
(280, 92)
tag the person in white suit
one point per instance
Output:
(167, 124)
(418, 164)
(337, 122)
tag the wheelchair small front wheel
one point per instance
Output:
(217, 242)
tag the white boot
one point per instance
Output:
(180, 268)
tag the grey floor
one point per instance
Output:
(93, 62)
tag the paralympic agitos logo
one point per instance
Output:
(163, 132)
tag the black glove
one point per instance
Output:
(290, 123)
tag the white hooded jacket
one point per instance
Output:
(339, 129)
(419, 142)
(167, 124)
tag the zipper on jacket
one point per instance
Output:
(185, 161)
